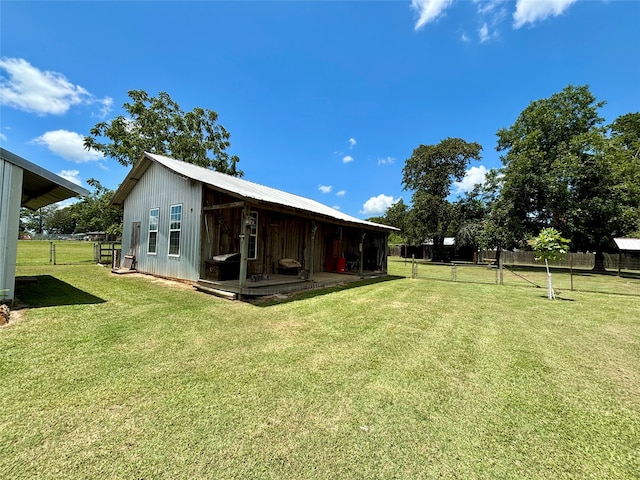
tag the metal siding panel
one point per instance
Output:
(10, 195)
(160, 188)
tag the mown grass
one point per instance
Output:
(132, 377)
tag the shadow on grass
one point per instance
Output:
(48, 291)
(306, 294)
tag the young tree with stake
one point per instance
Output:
(549, 245)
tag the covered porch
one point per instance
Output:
(278, 284)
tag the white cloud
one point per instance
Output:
(341, 193)
(352, 142)
(24, 87)
(530, 11)
(492, 13)
(3, 137)
(377, 205)
(386, 161)
(68, 145)
(325, 188)
(336, 207)
(105, 106)
(429, 10)
(72, 176)
(347, 159)
(484, 33)
(472, 177)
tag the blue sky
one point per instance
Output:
(322, 99)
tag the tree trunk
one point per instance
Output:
(550, 293)
(598, 266)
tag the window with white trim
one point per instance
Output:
(253, 236)
(154, 214)
(175, 228)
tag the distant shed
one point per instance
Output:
(628, 253)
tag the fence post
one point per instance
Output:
(454, 272)
(50, 252)
(571, 271)
(619, 262)
(414, 266)
(54, 253)
(501, 271)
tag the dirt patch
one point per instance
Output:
(9, 317)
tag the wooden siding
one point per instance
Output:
(161, 188)
(284, 235)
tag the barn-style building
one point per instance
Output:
(224, 233)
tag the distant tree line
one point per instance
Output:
(92, 213)
(562, 168)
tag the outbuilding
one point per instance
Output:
(23, 184)
(185, 222)
(628, 253)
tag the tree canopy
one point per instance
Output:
(430, 172)
(158, 125)
(563, 170)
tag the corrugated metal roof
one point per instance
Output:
(628, 244)
(237, 187)
(40, 187)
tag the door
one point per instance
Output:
(135, 244)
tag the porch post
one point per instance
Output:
(361, 247)
(385, 260)
(312, 253)
(244, 247)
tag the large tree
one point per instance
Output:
(94, 212)
(158, 125)
(429, 173)
(562, 170)
(35, 221)
(61, 222)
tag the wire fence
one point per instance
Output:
(65, 252)
(564, 279)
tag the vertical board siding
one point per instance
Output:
(160, 188)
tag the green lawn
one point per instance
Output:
(131, 377)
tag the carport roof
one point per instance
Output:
(41, 187)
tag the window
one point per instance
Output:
(175, 226)
(253, 236)
(154, 213)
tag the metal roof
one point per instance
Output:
(40, 187)
(448, 241)
(628, 244)
(237, 187)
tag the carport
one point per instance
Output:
(23, 184)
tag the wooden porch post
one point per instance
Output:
(312, 253)
(361, 262)
(244, 247)
(385, 260)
